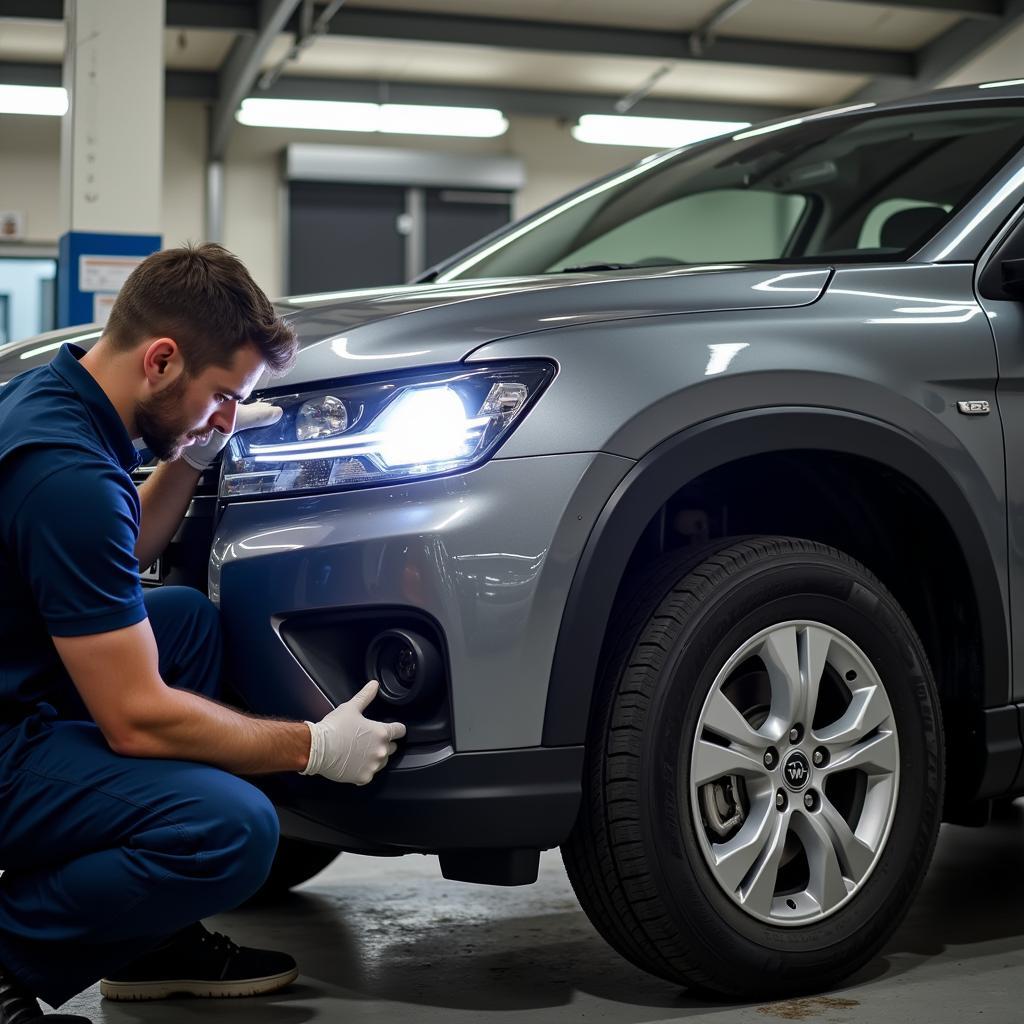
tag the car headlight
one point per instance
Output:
(358, 435)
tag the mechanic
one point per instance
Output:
(123, 819)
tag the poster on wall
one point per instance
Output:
(102, 303)
(105, 273)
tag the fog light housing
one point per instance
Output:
(407, 665)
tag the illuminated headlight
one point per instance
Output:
(397, 429)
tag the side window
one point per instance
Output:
(990, 283)
(875, 222)
(720, 226)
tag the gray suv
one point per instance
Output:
(683, 523)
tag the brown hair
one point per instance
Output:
(203, 297)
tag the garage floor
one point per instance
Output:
(390, 940)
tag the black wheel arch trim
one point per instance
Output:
(686, 456)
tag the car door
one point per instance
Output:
(1004, 307)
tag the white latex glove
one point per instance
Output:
(346, 747)
(247, 417)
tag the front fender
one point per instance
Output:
(686, 456)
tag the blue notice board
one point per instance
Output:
(91, 269)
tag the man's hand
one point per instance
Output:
(346, 747)
(248, 417)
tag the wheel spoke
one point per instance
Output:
(781, 658)
(878, 754)
(825, 883)
(723, 718)
(735, 858)
(759, 891)
(869, 708)
(855, 856)
(814, 648)
(711, 761)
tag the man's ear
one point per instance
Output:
(162, 362)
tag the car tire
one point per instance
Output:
(715, 885)
(295, 862)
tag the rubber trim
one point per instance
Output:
(525, 798)
(686, 456)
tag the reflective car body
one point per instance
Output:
(678, 395)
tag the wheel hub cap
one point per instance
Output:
(796, 772)
(794, 861)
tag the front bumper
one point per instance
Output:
(504, 799)
(488, 556)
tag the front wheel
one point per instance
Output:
(764, 777)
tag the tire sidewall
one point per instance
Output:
(792, 587)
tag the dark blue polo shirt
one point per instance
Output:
(69, 520)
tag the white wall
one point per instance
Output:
(30, 155)
(29, 172)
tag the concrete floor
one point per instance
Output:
(390, 940)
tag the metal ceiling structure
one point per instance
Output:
(257, 25)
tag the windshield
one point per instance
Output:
(825, 189)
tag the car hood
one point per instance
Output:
(382, 330)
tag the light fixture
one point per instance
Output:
(390, 118)
(33, 99)
(413, 119)
(651, 132)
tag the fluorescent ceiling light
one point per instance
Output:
(33, 99)
(652, 132)
(319, 114)
(413, 119)
(391, 118)
(1001, 85)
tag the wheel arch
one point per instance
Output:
(669, 468)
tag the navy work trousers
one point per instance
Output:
(105, 856)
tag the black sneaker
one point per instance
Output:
(18, 1006)
(196, 962)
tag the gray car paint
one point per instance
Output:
(1006, 320)
(489, 554)
(404, 328)
(642, 355)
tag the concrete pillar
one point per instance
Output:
(111, 150)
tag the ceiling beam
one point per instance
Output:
(203, 85)
(506, 33)
(14, 72)
(241, 68)
(32, 10)
(981, 9)
(951, 51)
(557, 37)
(235, 15)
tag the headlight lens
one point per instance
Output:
(379, 432)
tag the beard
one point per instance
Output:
(159, 421)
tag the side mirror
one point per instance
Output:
(1013, 279)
